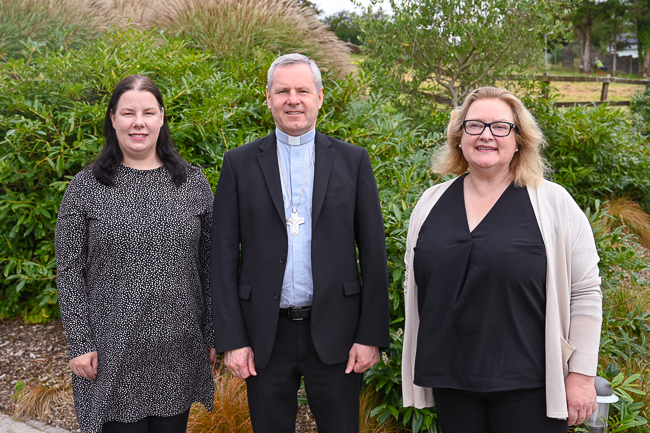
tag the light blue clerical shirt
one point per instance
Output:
(295, 152)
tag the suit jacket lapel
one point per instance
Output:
(268, 160)
(324, 160)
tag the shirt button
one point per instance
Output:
(276, 296)
(283, 259)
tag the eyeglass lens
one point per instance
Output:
(498, 129)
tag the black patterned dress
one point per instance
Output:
(133, 282)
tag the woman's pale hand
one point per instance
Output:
(212, 354)
(580, 397)
(85, 365)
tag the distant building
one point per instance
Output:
(629, 43)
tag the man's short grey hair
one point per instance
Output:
(295, 59)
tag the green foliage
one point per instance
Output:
(51, 114)
(51, 126)
(344, 26)
(625, 325)
(595, 152)
(401, 179)
(640, 106)
(436, 51)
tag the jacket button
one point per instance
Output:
(276, 296)
(283, 259)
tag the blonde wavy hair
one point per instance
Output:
(527, 166)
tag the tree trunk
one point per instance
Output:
(586, 50)
(646, 63)
(581, 36)
(615, 52)
(454, 97)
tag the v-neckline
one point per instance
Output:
(462, 190)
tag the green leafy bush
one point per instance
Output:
(625, 324)
(52, 110)
(595, 152)
(640, 106)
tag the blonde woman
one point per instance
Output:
(503, 301)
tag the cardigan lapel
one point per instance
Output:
(268, 160)
(324, 160)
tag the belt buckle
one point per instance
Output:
(289, 310)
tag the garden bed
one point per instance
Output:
(33, 360)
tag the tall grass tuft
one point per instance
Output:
(367, 422)
(230, 414)
(237, 29)
(631, 215)
(41, 401)
(244, 30)
(26, 25)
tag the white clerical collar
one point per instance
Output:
(295, 141)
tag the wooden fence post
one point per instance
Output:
(603, 92)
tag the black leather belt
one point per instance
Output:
(296, 313)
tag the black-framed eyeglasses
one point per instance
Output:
(498, 129)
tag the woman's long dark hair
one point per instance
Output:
(111, 156)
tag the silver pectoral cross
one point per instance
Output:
(294, 223)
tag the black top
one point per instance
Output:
(133, 279)
(481, 296)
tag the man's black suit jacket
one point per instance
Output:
(249, 250)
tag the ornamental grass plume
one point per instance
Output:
(244, 30)
(367, 422)
(37, 22)
(630, 214)
(230, 413)
(42, 401)
(237, 29)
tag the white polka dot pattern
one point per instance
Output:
(133, 281)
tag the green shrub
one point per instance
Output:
(52, 111)
(640, 106)
(595, 152)
(625, 324)
(51, 114)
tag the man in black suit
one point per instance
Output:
(291, 297)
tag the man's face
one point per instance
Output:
(294, 99)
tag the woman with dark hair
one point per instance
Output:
(132, 245)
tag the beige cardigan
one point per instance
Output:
(573, 296)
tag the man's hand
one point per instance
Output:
(212, 354)
(85, 365)
(580, 397)
(240, 362)
(361, 358)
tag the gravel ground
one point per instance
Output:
(35, 356)
(31, 356)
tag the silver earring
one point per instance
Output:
(459, 145)
(517, 150)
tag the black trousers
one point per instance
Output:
(150, 424)
(333, 395)
(521, 410)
